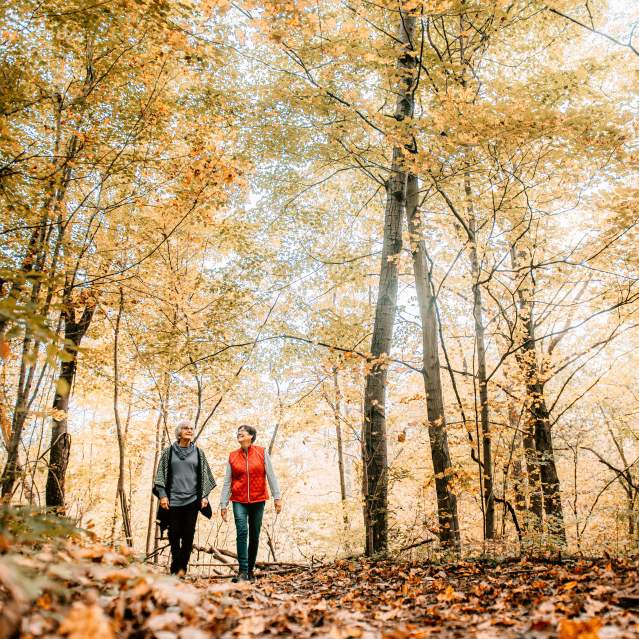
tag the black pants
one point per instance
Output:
(182, 521)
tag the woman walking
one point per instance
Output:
(247, 471)
(182, 483)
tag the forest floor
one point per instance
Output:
(88, 591)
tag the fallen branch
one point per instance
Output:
(222, 552)
(281, 571)
(417, 544)
(157, 551)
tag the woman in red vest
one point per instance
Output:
(247, 471)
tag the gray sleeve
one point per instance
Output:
(270, 475)
(225, 495)
(161, 491)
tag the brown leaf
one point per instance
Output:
(450, 595)
(165, 621)
(252, 625)
(86, 622)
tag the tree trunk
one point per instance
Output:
(442, 465)
(550, 486)
(17, 285)
(534, 476)
(375, 445)
(280, 418)
(538, 422)
(121, 494)
(480, 345)
(30, 349)
(12, 466)
(60, 438)
(156, 537)
(337, 412)
(156, 457)
(518, 476)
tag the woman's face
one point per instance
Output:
(244, 438)
(186, 433)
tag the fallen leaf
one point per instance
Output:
(253, 625)
(576, 629)
(164, 621)
(450, 595)
(193, 633)
(86, 622)
(5, 349)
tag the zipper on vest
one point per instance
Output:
(248, 479)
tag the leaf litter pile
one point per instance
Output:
(88, 591)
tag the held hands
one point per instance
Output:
(225, 514)
(204, 503)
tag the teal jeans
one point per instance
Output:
(248, 523)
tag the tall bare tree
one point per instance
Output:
(374, 430)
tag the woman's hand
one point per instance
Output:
(164, 503)
(225, 513)
(278, 506)
(204, 503)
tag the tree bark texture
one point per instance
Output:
(30, 349)
(60, 448)
(480, 347)
(12, 467)
(538, 424)
(442, 465)
(337, 413)
(121, 494)
(375, 445)
(150, 528)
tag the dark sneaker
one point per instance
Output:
(241, 576)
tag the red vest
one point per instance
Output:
(248, 475)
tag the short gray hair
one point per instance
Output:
(183, 424)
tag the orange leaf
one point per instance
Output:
(589, 629)
(86, 622)
(5, 349)
(450, 595)
(44, 601)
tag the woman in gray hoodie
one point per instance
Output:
(182, 484)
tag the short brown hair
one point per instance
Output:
(250, 430)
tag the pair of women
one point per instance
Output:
(184, 481)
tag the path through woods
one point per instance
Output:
(94, 593)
